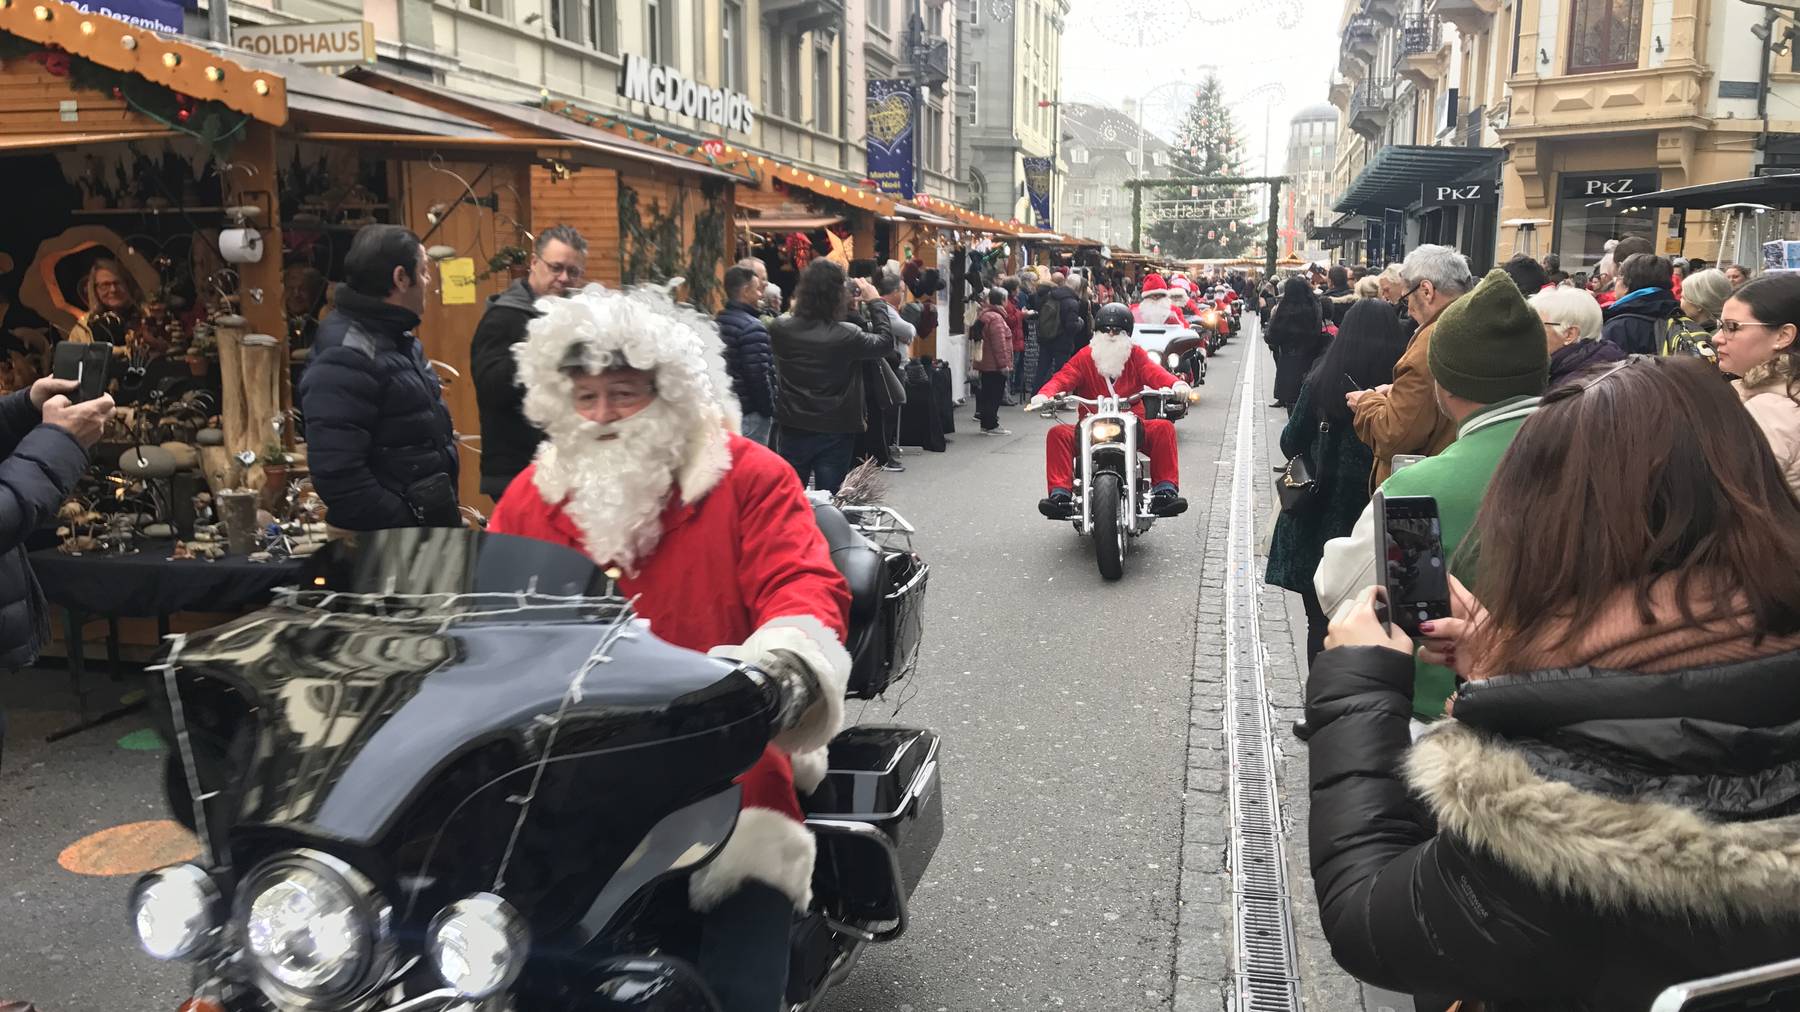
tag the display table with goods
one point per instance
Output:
(165, 522)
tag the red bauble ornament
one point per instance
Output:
(118, 94)
(181, 115)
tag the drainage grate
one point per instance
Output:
(1267, 980)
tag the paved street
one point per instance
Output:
(1085, 864)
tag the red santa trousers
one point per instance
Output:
(1156, 437)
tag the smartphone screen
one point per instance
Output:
(1414, 571)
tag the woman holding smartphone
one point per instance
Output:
(1364, 353)
(1615, 806)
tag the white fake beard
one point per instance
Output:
(615, 489)
(1110, 352)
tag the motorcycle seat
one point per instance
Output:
(857, 559)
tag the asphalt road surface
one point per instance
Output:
(1079, 823)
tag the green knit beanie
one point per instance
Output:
(1489, 345)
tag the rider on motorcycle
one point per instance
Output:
(1111, 366)
(1155, 307)
(712, 534)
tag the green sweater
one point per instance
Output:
(1458, 478)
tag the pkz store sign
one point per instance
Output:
(1610, 185)
(1438, 195)
(665, 88)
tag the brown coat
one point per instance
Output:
(1406, 419)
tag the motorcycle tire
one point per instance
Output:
(1110, 525)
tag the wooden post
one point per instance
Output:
(256, 379)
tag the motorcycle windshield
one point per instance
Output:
(408, 649)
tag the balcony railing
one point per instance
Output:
(1362, 36)
(1420, 34)
(805, 15)
(1370, 106)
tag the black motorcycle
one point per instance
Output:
(453, 771)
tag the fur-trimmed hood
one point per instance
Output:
(1618, 853)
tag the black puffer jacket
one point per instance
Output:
(39, 466)
(749, 358)
(1574, 839)
(508, 440)
(376, 424)
(1636, 325)
(1063, 301)
(819, 367)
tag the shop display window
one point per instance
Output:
(1584, 224)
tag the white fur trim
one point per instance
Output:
(809, 639)
(1618, 854)
(809, 769)
(767, 847)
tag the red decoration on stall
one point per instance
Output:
(800, 249)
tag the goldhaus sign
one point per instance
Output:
(333, 43)
(665, 88)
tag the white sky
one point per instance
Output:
(1274, 57)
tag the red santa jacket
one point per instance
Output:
(747, 551)
(1082, 378)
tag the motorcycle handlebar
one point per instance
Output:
(1065, 399)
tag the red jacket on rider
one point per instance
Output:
(1082, 378)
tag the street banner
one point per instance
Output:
(1037, 185)
(156, 15)
(892, 107)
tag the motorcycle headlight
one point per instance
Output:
(478, 945)
(175, 910)
(315, 928)
(1174, 359)
(1210, 318)
(1105, 431)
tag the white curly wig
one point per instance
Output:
(642, 328)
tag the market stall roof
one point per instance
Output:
(312, 93)
(795, 223)
(518, 120)
(1393, 177)
(1778, 191)
(34, 142)
(906, 212)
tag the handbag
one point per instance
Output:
(1298, 486)
(892, 392)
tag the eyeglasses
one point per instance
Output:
(1576, 389)
(570, 271)
(1733, 326)
(1404, 299)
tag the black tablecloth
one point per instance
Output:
(149, 583)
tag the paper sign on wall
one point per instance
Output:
(459, 281)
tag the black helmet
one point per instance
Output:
(1113, 316)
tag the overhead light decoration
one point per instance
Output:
(215, 75)
(171, 60)
(128, 42)
(41, 12)
(260, 86)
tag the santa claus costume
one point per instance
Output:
(712, 535)
(1154, 306)
(1111, 366)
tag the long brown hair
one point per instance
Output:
(1645, 470)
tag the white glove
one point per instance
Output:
(1183, 391)
(1037, 403)
(807, 639)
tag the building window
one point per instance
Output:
(1131, 157)
(974, 93)
(731, 45)
(1605, 35)
(603, 25)
(879, 17)
(697, 28)
(495, 7)
(822, 90)
(656, 25)
(975, 13)
(1106, 196)
(1159, 159)
(565, 20)
(1078, 156)
(1080, 198)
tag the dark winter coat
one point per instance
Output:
(1340, 463)
(508, 440)
(1297, 339)
(1636, 324)
(749, 358)
(1568, 361)
(376, 423)
(1066, 304)
(819, 368)
(1336, 303)
(1572, 839)
(39, 466)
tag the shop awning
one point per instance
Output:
(778, 223)
(1393, 177)
(312, 93)
(38, 142)
(1781, 191)
(1342, 228)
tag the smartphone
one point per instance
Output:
(1401, 461)
(1410, 560)
(86, 364)
(1763, 988)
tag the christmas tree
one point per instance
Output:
(1202, 221)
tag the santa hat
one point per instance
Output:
(1154, 283)
(1181, 281)
(596, 329)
